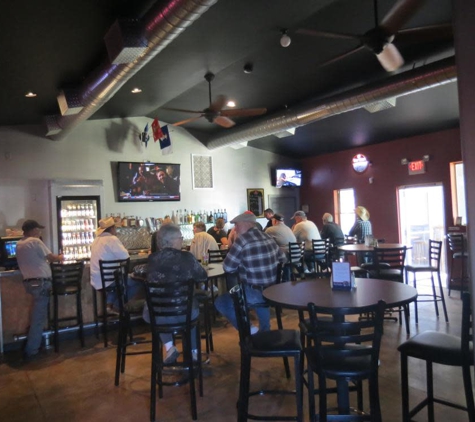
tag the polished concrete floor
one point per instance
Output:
(78, 384)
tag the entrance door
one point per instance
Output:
(421, 217)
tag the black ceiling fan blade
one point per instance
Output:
(399, 15)
(423, 34)
(326, 34)
(182, 110)
(342, 56)
(241, 112)
(184, 122)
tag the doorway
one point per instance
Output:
(421, 217)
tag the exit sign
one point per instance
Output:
(416, 167)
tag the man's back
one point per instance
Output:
(282, 235)
(201, 243)
(306, 231)
(333, 232)
(256, 255)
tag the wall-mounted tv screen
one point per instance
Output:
(146, 182)
(288, 178)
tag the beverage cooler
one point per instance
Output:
(76, 211)
(77, 221)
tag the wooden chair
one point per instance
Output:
(435, 255)
(344, 350)
(321, 255)
(273, 343)
(443, 349)
(66, 281)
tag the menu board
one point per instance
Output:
(255, 201)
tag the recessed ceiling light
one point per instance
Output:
(30, 95)
(136, 91)
(231, 104)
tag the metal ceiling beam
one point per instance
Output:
(161, 26)
(406, 83)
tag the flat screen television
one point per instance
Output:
(288, 177)
(8, 252)
(147, 182)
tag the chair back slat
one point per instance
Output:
(457, 242)
(217, 255)
(66, 276)
(344, 335)
(467, 327)
(165, 300)
(108, 268)
(242, 315)
(435, 253)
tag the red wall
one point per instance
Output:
(324, 174)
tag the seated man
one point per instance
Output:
(108, 247)
(162, 267)
(254, 256)
(202, 242)
(334, 234)
(305, 231)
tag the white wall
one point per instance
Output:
(28, 159)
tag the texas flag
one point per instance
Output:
(165, 141)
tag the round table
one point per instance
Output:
(297, 295)
(361, 247)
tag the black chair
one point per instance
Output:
(443, 349)
(458, 248)
(389, 264)
(344, 350)
(296, 250)
(264, 344)
(66, 281)
(107, 269)
(321, 255)
(126, 310)
(435, 255)
(173, 301)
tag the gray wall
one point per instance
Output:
(28, 160)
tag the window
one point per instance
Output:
(458, 192)
(345, 208)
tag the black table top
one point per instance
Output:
(297, 295)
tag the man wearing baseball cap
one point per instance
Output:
(254, 256)
(33, 258)
(305, 231)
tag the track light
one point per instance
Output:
(285, 40)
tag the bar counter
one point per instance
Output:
(15, 303)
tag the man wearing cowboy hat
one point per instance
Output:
(108, 247)
(33, 260)
(362, 226)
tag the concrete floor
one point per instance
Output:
(78, 384)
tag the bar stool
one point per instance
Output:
(107, 269)
(435, 254)
(296, 250)
(66, 281)
(458, 247)
(443, 349)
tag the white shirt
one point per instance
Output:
(107, 247)
(305, 231)
(31, 256)
(202, 242)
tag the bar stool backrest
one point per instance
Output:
(66, 278)
(108, 268)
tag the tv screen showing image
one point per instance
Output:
(288, 178)
(147, 182)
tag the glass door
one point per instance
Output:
(421, 217)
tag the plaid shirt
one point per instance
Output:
(255, 255)
(361, 229)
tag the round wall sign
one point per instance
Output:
(360, 163)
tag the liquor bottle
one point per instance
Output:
(210, 217)
(124, 221)
(203, 216)
(197, 216)
(215, 214)
(189, 219)
(225, 216)
(183, 216)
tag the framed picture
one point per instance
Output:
(255, 201)
(202, 171)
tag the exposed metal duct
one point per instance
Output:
(406, 83)
(161, 27)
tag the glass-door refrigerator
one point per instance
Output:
(77, 220)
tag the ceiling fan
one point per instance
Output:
(380, 39)
(214, 113)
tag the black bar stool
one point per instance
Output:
(66, 281)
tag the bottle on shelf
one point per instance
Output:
(225, 216)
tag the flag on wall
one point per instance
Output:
(166, 142)
(156, 130)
